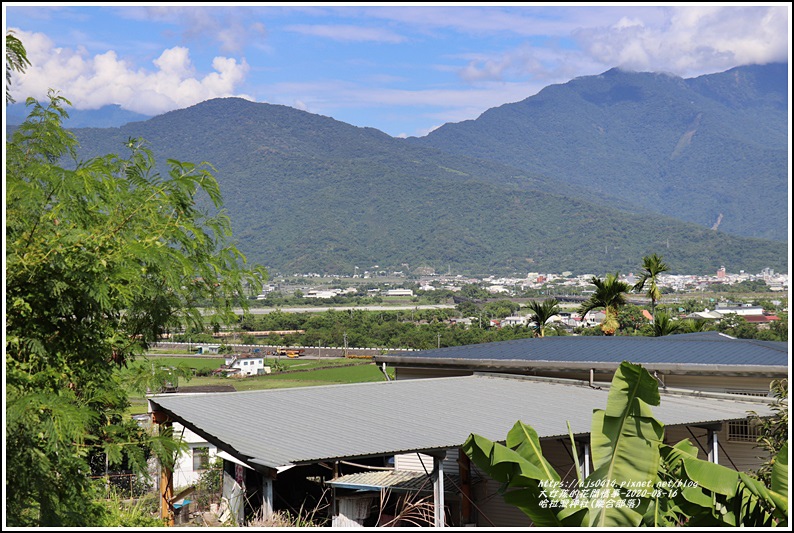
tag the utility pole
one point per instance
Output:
(439, 340)
(344, 336)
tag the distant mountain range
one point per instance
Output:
(587, 176)
(109, 116)
(712, 150)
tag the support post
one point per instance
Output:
(267, 497)
(585, 460)
(713, 447)
(166, 476)
(438, 491)
(464, 471)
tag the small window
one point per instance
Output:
(201, 458)
(742, 431)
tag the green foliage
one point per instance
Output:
(542, 312)
(500, 308)
(140, 513)
(773, 432)
(306, 193)
(387, 329)
(665, 325)
(101, 259)
(652, 267)
(631, 319)
(209, 485)
(610, 294)
(648, 133)
(628, 451)
(16, 60)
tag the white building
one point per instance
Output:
(194, 461)
(248, 366)
(399, 292)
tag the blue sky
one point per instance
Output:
(404, 69)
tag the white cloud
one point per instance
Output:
(347, 33)
(690, 41)
(233, 27)
(105, 78)
(695, 40)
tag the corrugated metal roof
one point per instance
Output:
(400, 480)
(705, 348)
(280, 427)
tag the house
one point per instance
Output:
(371, 442)
(245, 365)
(706, 361)
(752, 314)
(199, 454)
(514, 321)
(399, 292)
(208, 348)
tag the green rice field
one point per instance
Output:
(297, 373)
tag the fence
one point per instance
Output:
(127, 484)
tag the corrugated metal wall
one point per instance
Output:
(491, 509)
(743, 456)
(413, 462)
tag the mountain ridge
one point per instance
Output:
(308, 193)
(619, 125)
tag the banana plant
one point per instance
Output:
(638, 480)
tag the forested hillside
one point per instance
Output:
(712, 150)
(306, 193)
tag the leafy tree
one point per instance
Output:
(628, 449)
(610, 294)
(467, 309)
(652, 266)
(16, 60)
(474, 292)
(737, 326)
(542, 313)
(631, 319)
(500, 308)
(102, 257)
(773, 432)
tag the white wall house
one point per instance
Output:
(514, 321)
(192, 463)
(248, 366)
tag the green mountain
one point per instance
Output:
(109, 116)
(307, 193)
(712, 150)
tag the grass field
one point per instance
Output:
(298, 373)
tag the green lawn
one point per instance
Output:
(313, 372)
(199, 363)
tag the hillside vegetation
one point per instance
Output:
(306, 193)
(701, 150)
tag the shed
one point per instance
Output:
(327, 428)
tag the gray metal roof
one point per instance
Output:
(280, 427)
(696, 352)
(397, 480)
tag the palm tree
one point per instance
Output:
(652, 266)
(695, 326)
(543, 311)
(610, 294)
(665, 326)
